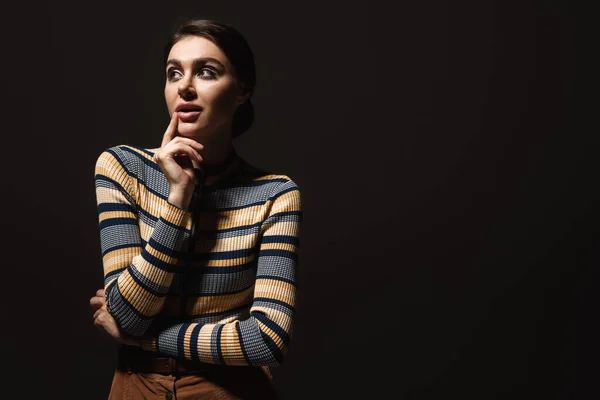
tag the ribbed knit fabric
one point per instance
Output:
(230, 301)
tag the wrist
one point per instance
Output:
(181, 198)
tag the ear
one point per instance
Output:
(241, 99)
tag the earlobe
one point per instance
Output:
(242, 99)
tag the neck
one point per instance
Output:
(216, 151)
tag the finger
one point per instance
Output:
(96, 302)
(100, 292)
(97, 313)
(191, 142)
(177, 149)
(171, 129)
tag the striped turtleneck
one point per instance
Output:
(237, 286)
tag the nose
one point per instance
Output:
(186, 90)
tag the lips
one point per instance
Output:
(188, 112)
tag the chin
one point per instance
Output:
(190, 130)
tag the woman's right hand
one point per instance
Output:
(177, 158)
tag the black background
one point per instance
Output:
(447, 160)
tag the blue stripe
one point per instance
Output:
(274, 301)
(117, 221)
(276, 278)
(242, 345)
(280, 239)
(218, 344)
(194, 342)
(181, 341)
(279, 331)
(278, 253)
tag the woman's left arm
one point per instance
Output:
(263, 338)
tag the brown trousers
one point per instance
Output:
(221, 383)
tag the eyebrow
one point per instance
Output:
(196, 61)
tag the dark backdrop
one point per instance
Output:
(448, 170)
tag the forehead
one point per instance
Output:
(193, 47)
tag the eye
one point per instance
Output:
(173, 74)
(207, 73)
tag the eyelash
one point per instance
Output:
(171, 74)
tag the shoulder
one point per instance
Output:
(272, 183)
(126, 156)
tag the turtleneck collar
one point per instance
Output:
(214, 173)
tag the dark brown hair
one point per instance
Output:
(237, 50)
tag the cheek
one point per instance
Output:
(225, 99)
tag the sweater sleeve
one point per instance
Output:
(261, 339)
(137, 275)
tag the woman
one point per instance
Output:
(199, 248)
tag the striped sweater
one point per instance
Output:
(230, 301)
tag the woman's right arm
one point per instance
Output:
(137, 275)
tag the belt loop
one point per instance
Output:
(173, 366)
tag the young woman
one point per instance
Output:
(199, 248)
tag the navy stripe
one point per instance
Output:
(278, 253)
(194, 342)
(280, 239)
(131, 308)
(224, 255)
(181, 341)
(121, 246)
(283, 214)
(172, 225)
(274, 301)
(279, 331)
(110, 207)
(258, 203)
(237, 228)
(242, 344)
(166, 250)
(115, 272)
(219, 349)
(279, 194)
(199, 293)
(228, 270)
(158, 263)
(149, 163)
(143, 285)
(217, 313)
(121, 162)
(117, 185)
(276, 278)
(117, 221)
(129, 147)
(275, 352)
